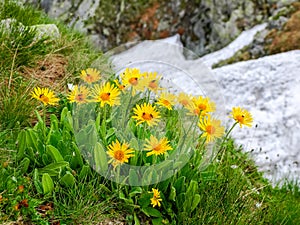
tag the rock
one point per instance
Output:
(49, 31)
(46, 31)
(268, 87)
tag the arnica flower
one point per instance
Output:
(211, 128)
(157, 147)
(155, 200)
(131, 77)
(120, 86)
(79, 94)
(146, 113)
(184, 99)
(45, 95)
(201, 106)
(167, 100)
(119, 153)
(242, 116)
(106, 94)
(90, 75)
(151, 82)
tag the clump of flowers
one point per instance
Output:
(129, 91)
(139, 124)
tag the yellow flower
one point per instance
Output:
(131, 77)
(151, 82)
(211, 128)
(90, 75)
(119, 153)
(200, 106)
(167, 100)
(45, 95)
(242, 116)
(79, 95)
(155, 200)
(120, 86)
(146, 113)
(106, 94)
(184, 99)
(157, 147)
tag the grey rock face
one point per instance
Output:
(205, 26)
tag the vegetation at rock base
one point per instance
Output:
(276, 40)
(46, 179)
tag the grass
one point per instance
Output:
(229, 191)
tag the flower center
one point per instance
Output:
(184, 102)
(202, 106)
(210, 129)
(119, 155)
(240, 118)
(133, 81)
(44, 98)
(89, 78)
(105, 96)
(79, 97)
(166, 102)
(157, 148)
(152, 84)
(196, 111)
(147, 116)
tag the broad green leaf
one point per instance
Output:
(136, 219)
(192, 188)
(36, 181)
(150, 211)
(85, 171)
(68, 179)
(135, 191)
(133, 177)
(54, 153)
(100, 158)
(47, 183)
(195, 202)
(21, 145)
(24, 164)
(172, 195)
(179, 185)
(157, 221)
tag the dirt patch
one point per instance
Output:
(49, 72)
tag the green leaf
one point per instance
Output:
(133, 178)
(172, 195)
(31, 139)
(68, 179)
(100, 158)
(179, 185)
(36, 181)
(24, 164)
(47, 183)
(77, 154)
(195, 202)
(54, 122)
(150, 211)
(192, 189)
(21, 144)
(54, 153)
(85, 171)
(135, 191)
(53, 169)
(136, 219)
(157, 221)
